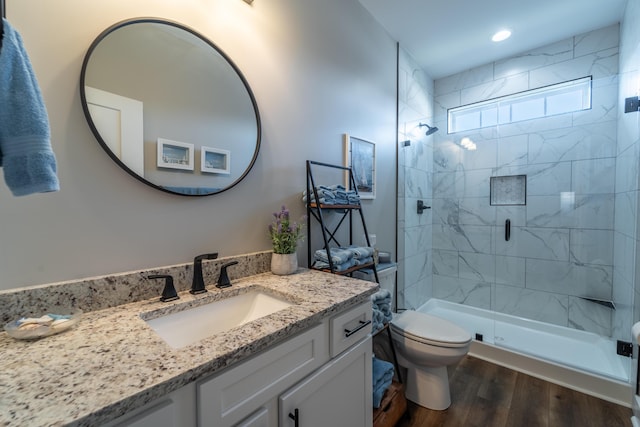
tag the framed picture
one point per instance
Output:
(175, 154)
(215, 160)
(360, 156)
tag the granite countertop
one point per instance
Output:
(112, 362)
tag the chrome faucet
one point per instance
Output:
(197, 285)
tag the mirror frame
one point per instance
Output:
(104, 145)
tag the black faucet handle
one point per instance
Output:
(169, 292)
(223, 279)
(197, 285)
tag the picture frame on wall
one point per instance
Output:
(360, 156)
(215, 160)
(175, 154)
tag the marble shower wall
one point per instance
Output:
(626, 289)
(415, 167)
(562, 241)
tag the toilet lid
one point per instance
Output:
(429, 329)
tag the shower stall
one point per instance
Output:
(531, 185)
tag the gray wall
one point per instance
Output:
(318, 69)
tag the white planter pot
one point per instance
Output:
(283, 264)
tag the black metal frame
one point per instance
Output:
(315, 208)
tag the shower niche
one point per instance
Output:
(508, 190)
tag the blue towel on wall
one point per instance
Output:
(25, 147)
(381, 379)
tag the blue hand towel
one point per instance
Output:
(338, 255)
(337, 267)
(383, 295)
(25, 147)
(377, 320)
(361, 251)
(382, 377)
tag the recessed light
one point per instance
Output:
(501, 35)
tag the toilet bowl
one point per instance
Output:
(426, 345)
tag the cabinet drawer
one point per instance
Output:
(231, 396)
(348, 328)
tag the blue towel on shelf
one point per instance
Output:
(337, 267)
(25, 148)
(383, 295)
(382, 376)
(338, 255)
(381, 305)
(377, 320)
(361, 251)
(364, 261)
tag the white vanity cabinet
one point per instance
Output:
(323, 372)
(177, 409)
(338, 394)
(308, 372)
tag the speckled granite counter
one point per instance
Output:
(113, 362)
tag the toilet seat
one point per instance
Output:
(428, 329)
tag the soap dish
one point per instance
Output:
(31, 328)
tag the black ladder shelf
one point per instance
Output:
(315, 210)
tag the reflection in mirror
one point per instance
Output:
(170, 107)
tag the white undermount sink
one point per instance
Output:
(193, 324)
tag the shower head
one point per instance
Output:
(430, 129)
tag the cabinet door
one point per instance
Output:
(237, 393)
(177, 409)
(338, 394)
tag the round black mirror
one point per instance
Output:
(170, 107)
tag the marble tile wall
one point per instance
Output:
(563, 242)
(415, 167)
(626, 289)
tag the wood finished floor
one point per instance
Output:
(488, 395)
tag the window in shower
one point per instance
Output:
(561, 98)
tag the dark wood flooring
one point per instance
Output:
(488, 395)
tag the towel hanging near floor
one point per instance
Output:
(26, 156)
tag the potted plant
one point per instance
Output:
(285, 235)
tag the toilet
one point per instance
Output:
(426, 345)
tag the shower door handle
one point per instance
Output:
(507, 230)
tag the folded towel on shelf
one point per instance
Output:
(377, 320)
(382, 376)
(361, 251)
(364, 261)
(383, 295)
(332, 195)
(338, 255)
(337, 267)
(25, 148)
(381, 303)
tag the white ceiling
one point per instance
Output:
(449, 36)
